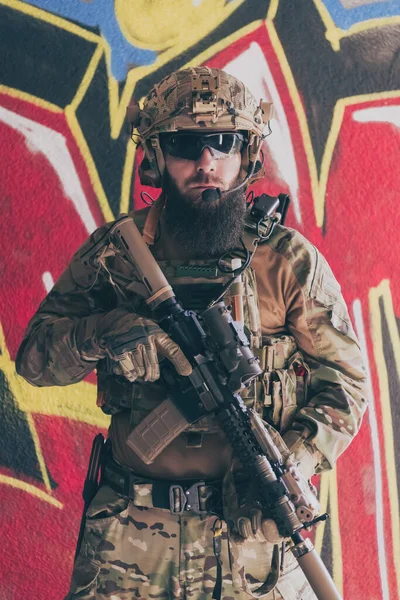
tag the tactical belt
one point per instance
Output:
(183, 496)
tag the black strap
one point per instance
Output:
(217, 538)
(122, 480)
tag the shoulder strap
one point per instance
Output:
(152, 220)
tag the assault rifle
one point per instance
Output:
(223, 365)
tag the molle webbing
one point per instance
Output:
(275, 352)
(195, 284)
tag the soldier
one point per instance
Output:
(187, 525)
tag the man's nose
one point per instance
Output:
(205, 162)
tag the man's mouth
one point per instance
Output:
(196, 187)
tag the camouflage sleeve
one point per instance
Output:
(318, 318)
(49, 352)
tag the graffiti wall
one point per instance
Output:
(67, 72)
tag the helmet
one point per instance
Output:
(197, 99)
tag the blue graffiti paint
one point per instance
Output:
(101, 14)
(346, 17)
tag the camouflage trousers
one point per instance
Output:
(139, 553)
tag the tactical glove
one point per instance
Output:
(254, 527)
(243, 516)
(242, 509)
(134, 343)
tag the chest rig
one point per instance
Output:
(197, 284)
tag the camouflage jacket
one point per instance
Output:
(298, 294)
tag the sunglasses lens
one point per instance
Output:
(227, 143)
(191, 145)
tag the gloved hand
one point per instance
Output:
(242, 510)
(133, 342)
(251, 525)
(243, 514)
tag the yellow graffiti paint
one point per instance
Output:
(335, 34)
(87, 78)
(338, 114)
(78, 136)
(160, 25)
(99, 48)
(39, 453)
(47, 401)
(90, 163)
(13, 93)
(30, 489)
(127, 176)
(318, 181)
(299, 109)
(329, 494)
(272, 10)
(323, 500)
(118, 101)
(76, 402)
(337, 562)
(382, 293)
(42, 15)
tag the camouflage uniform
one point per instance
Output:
(149, 552)
(132, 549)
(144, 552)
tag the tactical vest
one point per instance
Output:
(276, 395)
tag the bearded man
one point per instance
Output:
(189, 524)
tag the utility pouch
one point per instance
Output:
(282, 389)
(251, 309)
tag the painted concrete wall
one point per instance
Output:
(67, 71)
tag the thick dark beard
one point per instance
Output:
(205, 229)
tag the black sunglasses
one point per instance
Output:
(190, 145)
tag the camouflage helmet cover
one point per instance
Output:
(201, 99)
